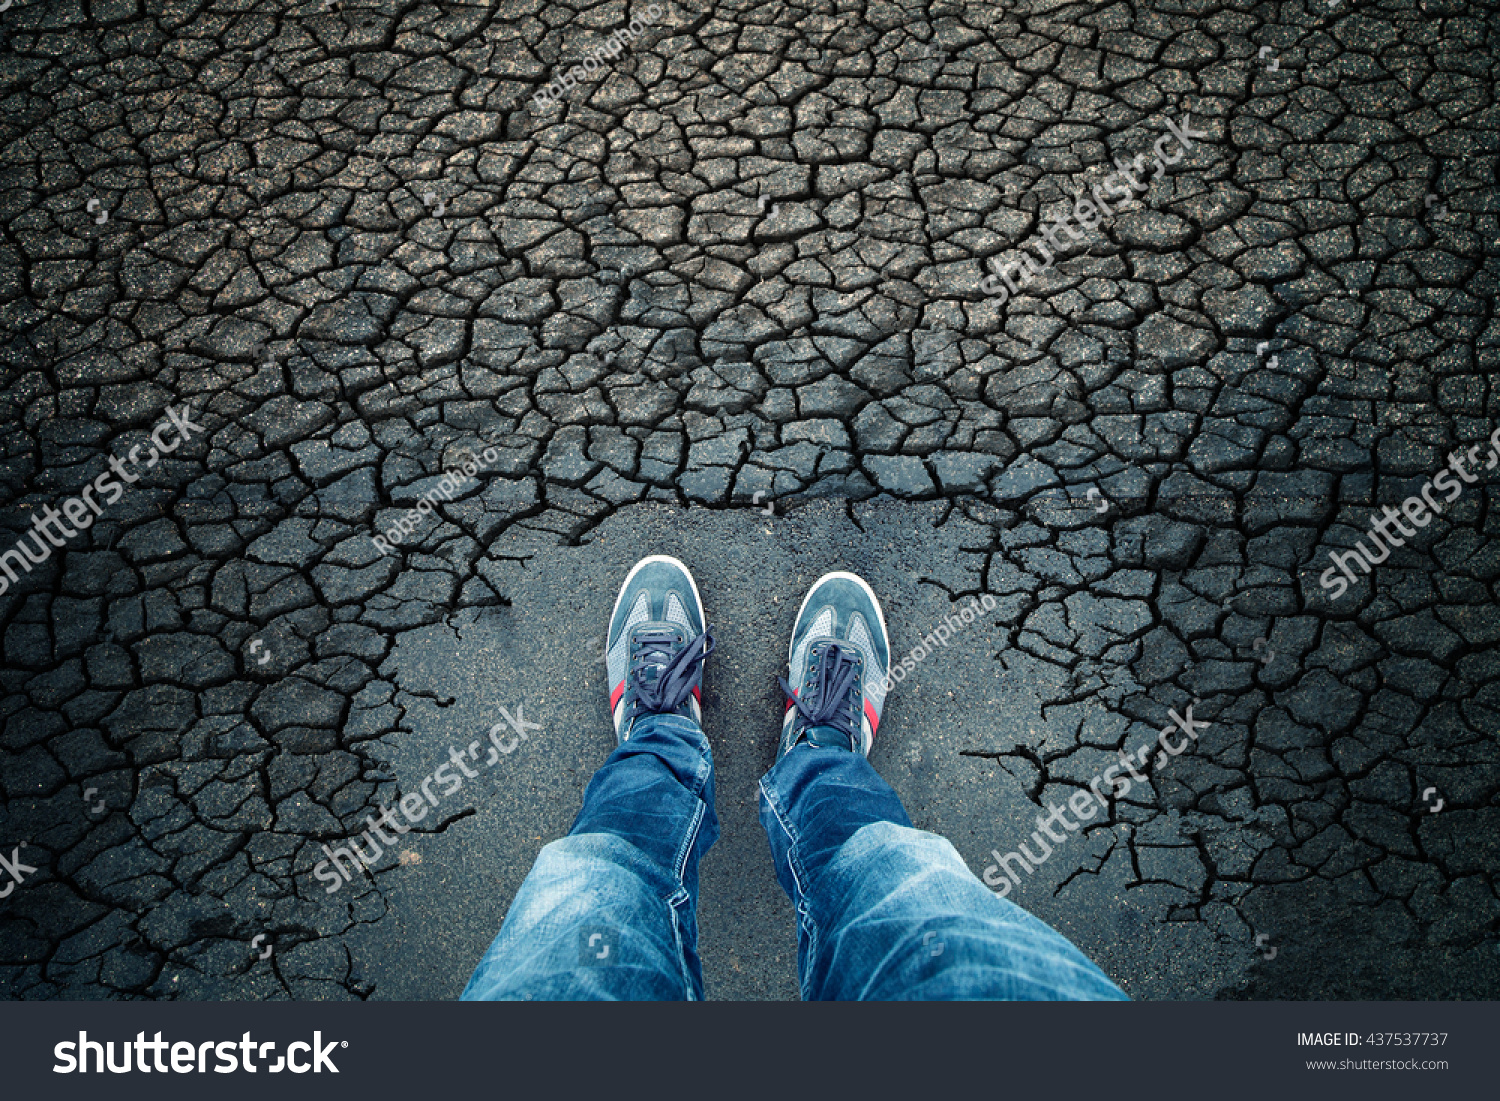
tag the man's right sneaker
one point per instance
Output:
(657, 641)
(837, 666)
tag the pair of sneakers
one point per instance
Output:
(837, 663)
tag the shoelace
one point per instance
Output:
(832, 703)
(674, 679)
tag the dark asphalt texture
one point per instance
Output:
(745, 258)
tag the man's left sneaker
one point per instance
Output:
(656, 645)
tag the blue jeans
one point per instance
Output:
(884, 911)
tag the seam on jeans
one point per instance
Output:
(679, 865)
(792, 860)
(687, 975)
(804, 917)
(786, 828)
(803, 910)
(705, 769)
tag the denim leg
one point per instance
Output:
(887, 912)
(610, 911)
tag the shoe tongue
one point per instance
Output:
(659, 658)
(649, 671)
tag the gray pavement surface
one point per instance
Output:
(741, 264)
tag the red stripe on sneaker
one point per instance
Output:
(698, 692)
(874, 718)
(614, 697)
(789, 702)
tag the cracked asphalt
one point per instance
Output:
(739, 267)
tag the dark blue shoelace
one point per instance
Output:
(668, 690)
(832, 704)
